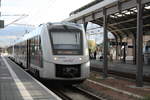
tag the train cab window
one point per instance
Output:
(66, 40)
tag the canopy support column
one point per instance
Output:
(139, 49)
(105, 61)
(85, 26)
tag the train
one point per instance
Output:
(54, 51)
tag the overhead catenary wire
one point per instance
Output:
(21, 17)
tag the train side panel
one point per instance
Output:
(48, 69)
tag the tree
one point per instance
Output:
(92, 45)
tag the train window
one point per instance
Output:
(71, 40)
(40, 48)
(66, 41)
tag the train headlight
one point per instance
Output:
(55, 58)
(80, 58)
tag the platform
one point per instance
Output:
(117, 66)
(16, 84)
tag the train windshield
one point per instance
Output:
(66, 41)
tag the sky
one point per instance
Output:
(26, 13)
(41, 11)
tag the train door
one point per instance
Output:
(28, 54)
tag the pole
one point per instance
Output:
(85, 26)
(139, 41)
(134, 49)
(105, 61)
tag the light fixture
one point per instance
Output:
(55, 58)
(80, 58)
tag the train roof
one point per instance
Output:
(65, 23)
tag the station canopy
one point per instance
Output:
(121, 19)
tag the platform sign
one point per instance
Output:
(1, 23)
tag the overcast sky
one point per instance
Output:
(38, 11)
(41, 11)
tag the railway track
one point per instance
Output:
(121, 74)
(61, 94)
(74, 93)
(71, 92)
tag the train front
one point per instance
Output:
(70, 55)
